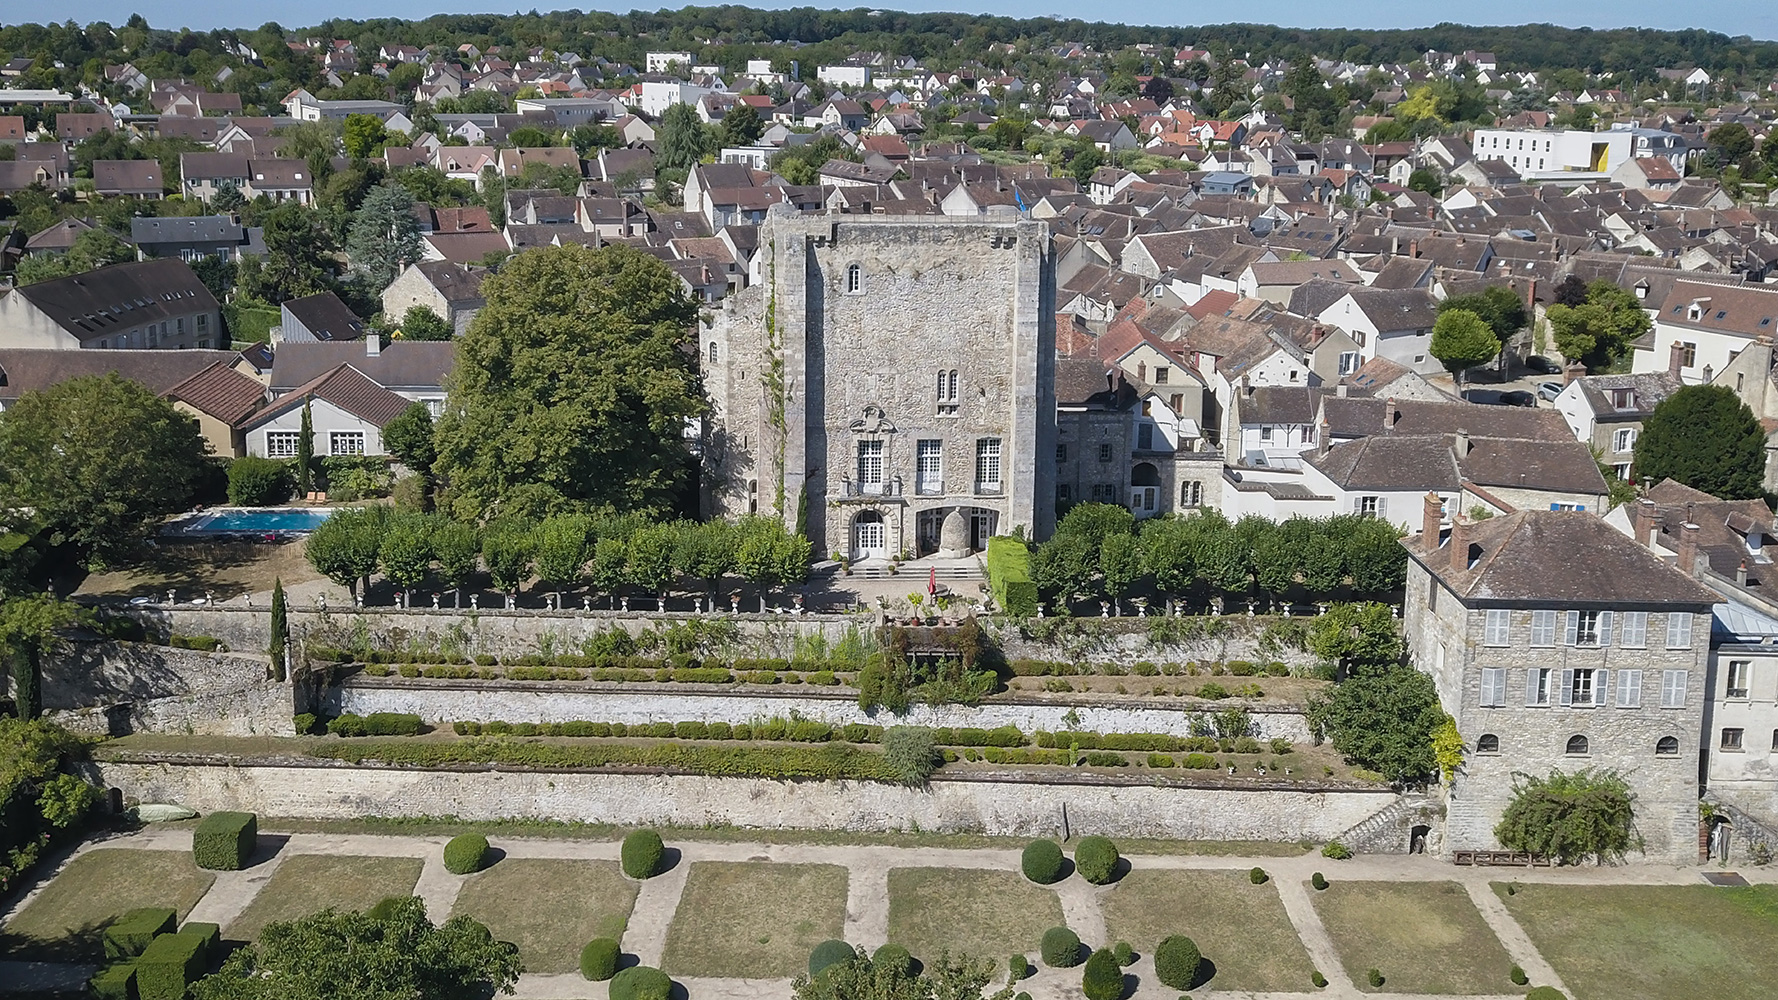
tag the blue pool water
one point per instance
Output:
(269, 520)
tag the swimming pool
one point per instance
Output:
(259, 520)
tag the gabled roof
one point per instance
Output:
(345, 387)
(25, 370)
(404, 364)
(120, 297)
(326, 317)
(220, 391)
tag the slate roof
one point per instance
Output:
(1358, 417)
(404, 364)
(326, 317)
(128, 176)
(1723, 528)
(120, 296)
(1517, 559)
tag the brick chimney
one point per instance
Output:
(1573, 370)
(1431, 517)
(1688, 548)
(1459, 543)
(1323, 438)
(1644, 526)
(1675, 360)
(1531, 297)
(1414, 248)
(1741, 574)
(1389, 414)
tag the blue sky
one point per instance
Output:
(1758, 18)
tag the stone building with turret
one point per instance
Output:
(887, 384)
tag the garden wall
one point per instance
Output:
(518, 701)
(950, 805)
(123, 687)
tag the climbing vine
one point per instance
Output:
(1447, 748)
(774, 376)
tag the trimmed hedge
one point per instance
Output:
(466, 854)
(1124, 954)
(211, 936)
(640, 982)
(1545, 993)
(830, 762)
(1009, 576)
(114, 982)
(1318, 979)
(828, 954)
(1061, 948)
(1319, 881)
(1375, 978)
(598, 960)
(642, 854)
(1258, 876)
(1103, 978)
(893, 956)
(171, 963)
(1096, 859)
(131, 933)
(1018, 968)
(1517, 975)
(1176, 962)
(1042, 862)
(224, 841)
(376, 724)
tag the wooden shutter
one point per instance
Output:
(1565, 697)
(1601, 684)
(1604, 629)
(1572, 635)
(1531, 686)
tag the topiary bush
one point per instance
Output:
(598, 960)
(1517, 975)
(1375, 978)
(224, 841)
(1318, 979)
(466, 854)
(829, 953)
(1319, 881)
(640, 982)
(1545, 993)
(1096, 859)
(1336, 851)
(1258, 876)
(1103, 978)
(1125, 955)
(1061, 948)
(642, 854)
(115, 982)
(131, 933)
(170, 963)
(893, 956)
(1019, 968)
(209, 934)
(1042, 862)
(1176, 962)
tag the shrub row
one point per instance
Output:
(832, 761)
(376, 724)
(774, 730)
(1161, 743)
(1145, 668)
(649, 665)
(205, 643)
(625, 675)
(170, 963)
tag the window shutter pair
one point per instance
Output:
(1531, 686)
(1629, 689)
(1493, 687)
(1673, 688)
(1565, 697)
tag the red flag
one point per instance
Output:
(932, 582)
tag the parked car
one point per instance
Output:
(1518, 397)
(1550, 390)
(1542, 365)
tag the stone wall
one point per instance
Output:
(949, 806)
(516, 701)
(123, 687)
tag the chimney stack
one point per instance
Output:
(1741, 574)
(1643, 524)
(1460, 444)
(1340, 390)
(1322, 438)
(1459, 543)
(373, 344)
(1688, 548)
(1389, 414)
(1675, 360)
(1414, 249)
(1431, 517)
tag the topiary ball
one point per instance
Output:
(1096, 859)
(1061, 948)
(893, 956)
(466, 855)
(598, 960)
(1103, 978)
(642, 854)
(1042, 862)
(1258, 876)
(1319, 881)
(639, 982)
(829, 953)
(1517, 975)
(1318, 979)
(1124, 954)
(1375, 978)
(1545, 993)
(1176, 962)
(1019, 967)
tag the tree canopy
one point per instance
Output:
(1461, 340)
(1705, 437)
(384, 237)
(1599, 330)
(571, 390)
(97, 460)
(1383, 722)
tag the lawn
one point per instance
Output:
(309, 883)
(64, 920)
(1654, 941)
(1240, 927)
(988, 914)
(754, 920)
(1425, 937)
(549, 908)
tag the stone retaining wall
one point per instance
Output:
(124, 687)
(511, 701)
(1011, 808)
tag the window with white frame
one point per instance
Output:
(1673, 684)
(1497, 628)
(1349, 362)
(1191, 493)
(987, 465)
(1543, 628)
(1623, 440)
(1537, 685)
(947, 392)
(854, 279)
(1633, 632)
(1736, 679)
(1369, 506)
(1584, 688)
(1679, 630)
(282, 444)
(1589, 628)
(345, 443)
(870, 465)
(1629, 689)
(930, 467)
(1493, 687)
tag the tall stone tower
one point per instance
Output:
(883, 374)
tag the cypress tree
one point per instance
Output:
(305, 453)
(279, 630)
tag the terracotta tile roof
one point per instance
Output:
(221, 392)
(345, 387)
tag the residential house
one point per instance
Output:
(1700, 328)
(415, 370)
(219, 398)
(347, 414)
(1607, 411)
(1388, 323)
(140, 304)
(451, 291)
(139, 179)
(318, 317)
(192, 238)
(24, 370)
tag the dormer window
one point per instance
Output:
(1623, 399)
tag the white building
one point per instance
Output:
(661, 62)
(1536, 153)
(844, 76)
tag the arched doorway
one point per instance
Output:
(1145, 490)
(870, 537)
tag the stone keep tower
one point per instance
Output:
(886, 374)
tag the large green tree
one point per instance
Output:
(571, 388)
(393, 953)
(1497, 305)
(1570, 817)
(1599, 330)
(297, 260)
(98, 460)
(31, 626)
(1706, 438)
(1383, 722)
(421, 323)
(1461, 340)
(680, 140)
(385, 236)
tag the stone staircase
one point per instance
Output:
(1752, 834)
(1391, 831)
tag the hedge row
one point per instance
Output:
(1146, 668)
(774, 730)
(1009, 576)
(644, 664)
(376, 724)
(629, 675)
(204, 643)
(832, 761)
(1160, 743)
